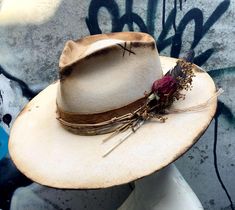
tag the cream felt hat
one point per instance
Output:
(57, 139)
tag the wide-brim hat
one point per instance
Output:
(99, 74)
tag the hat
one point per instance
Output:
(64, 137)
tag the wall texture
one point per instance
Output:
(32, 36)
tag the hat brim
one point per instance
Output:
(50, 155)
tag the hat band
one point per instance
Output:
(98, 123)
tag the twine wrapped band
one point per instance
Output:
(101, 123)
(129, 117)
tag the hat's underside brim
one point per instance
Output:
(50, 155)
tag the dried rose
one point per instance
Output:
(165, 86)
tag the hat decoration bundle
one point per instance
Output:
(164, 92)
(98, 126)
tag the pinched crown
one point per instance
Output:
(108, 71)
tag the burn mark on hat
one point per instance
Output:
(65, 73)
(101, 52)
(198, 69)
(144, 44)
(130, 48)
(27, 108)
(139, 36)
(126, 49)
(7, 119)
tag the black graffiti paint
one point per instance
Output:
(175, 12)
(225, 111)
(175, 41)
(118, 22)
(222, 108)
(26, 91)
(1, 98)
(7, 119)
(10, 180)
(1, 101)
(216, 119)
(200, 29)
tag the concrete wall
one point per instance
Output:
(33, 33)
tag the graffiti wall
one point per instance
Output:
(32, 36)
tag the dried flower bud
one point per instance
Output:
(165, 86)
(152, 97)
